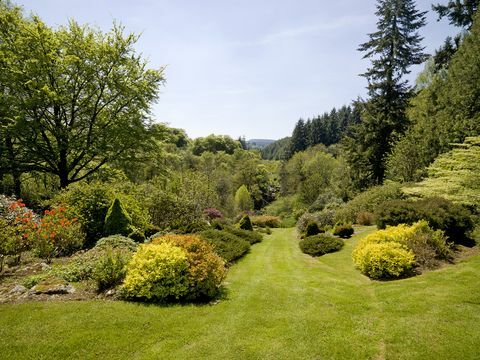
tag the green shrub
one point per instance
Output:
(384, 260)
(320, 244)
(117, 220)
(264, 221)
(368, 201)
(110, 268)
(441, 214)
(344, 231)
(312, 229)
(252, 237)
(89, 202)
(117, 241)
(206, 269)
(245, 223)
(226, 245)
(157, 273)
(288, 222)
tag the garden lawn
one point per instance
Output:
(281, 304)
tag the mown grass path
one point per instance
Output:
(281, 304)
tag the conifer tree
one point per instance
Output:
(299, 138)
(392, 49)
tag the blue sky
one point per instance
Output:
(246, 67)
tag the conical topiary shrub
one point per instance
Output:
(245, 223)
(118, 221)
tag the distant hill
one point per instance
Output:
(259, 143)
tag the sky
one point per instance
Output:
(244, 68)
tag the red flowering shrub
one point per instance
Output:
(56, 235)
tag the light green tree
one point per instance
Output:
(243, 199)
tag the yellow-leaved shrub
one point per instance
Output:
(394, 251)
(157, 272)
(206, 270)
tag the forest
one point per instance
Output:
(103, 207)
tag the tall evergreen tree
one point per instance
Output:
(299, 138)
(393, 48)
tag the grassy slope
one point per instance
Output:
(281, 304)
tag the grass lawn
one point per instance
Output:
(281, 304)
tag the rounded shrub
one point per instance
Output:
(137, 236)
(345, 231)
(323, 219)
(157, 272)
(206, 270)
(117, 242)
(245, 223)
(264, 221)
(320, 244)
(117, 220)
(228, 246)
(384, 260)
(427, 246)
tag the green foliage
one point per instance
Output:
(90, 203)
(137, 235)
(277, 150)
(365, 218)
(454, 175)
(312, 229)
(266, 221)
(243, 199)
(444, 113)
(441, 214)
(117, 242)
(459, 13)
(252, 237)
(245, 223)
(157, 273)
(214, 144)
(344, 231)
(93, 79)
(110, 269)
(368, 201)
(206, 269)
(321, 244)
(228, 246)
(117, 220)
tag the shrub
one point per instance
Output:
(384, 260)
(245, 223)
(320, 244)
(89, 202)
(57, 235)
(206, 269)
(243, 199)
(117, 220)
(288, 222)
(157, 272)
(441, 214)
(427, 246)
(226, 245)
(344, 231)
(368, 201)
(252, 237)
(365, 218)
(312, 229)
(264, 221)
(117, 242)
(323, 219)
(110, 269)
